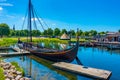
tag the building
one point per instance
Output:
(109, 37)
(113, 37)
(65, 37)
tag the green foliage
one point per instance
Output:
(80, 32)
(50, 32)
(45, 32)
(86, 33)
(56, 31)
(92, 33)
(64, 31)
(2, 77)
(4, 29)
(18, 68)
(36, 33)
(72, 32)
(102, 33)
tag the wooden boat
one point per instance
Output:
(50, 54)
(67, 55)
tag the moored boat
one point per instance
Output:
(67, 55)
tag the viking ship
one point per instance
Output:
(66, 55)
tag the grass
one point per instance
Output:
(18, 68)
(2, 77)
(4, 42)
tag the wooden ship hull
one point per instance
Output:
(67, 55)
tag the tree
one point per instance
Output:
(36, 33)
(45, 33)
(56, 31)
(80, 32)
(4, 29)
(72, 32)
(86, 33)
(102, 33)
(64, 31)
(50, 32)
(92, 33)
(12, 33)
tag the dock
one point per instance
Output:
(82, 70)
(17, 52)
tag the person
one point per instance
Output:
(19, 41)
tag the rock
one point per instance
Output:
(19, 73)
(7, 79)
(5, 72)
(12, 67)
(22, 78)
(18, 77)
(13, 71)
(27, 79)
(10, 76)
(5, 75)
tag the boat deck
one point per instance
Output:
(82, 70)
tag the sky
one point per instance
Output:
(100, 15)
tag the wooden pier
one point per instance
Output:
(17, 53)
(82, 70)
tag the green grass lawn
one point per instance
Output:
(10, 41)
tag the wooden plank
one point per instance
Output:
(82, 70)
(19, 52)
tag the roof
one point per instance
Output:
(113, 34)
(65, 37)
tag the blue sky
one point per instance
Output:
(100, 15)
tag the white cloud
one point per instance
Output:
(34, 19)
(6, 4)
(1, 8)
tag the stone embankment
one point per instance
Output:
(11, 73)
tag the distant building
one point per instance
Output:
(112, 36)
(109, 37)
(65, 37)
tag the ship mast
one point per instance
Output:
(29, 20)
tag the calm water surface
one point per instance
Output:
(41, 69)
(101, 58)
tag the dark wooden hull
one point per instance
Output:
(68, 55)
(64, 55)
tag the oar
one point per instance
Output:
(78, 61)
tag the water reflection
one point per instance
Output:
(41, 69)
(54, 45)
(102, 58)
